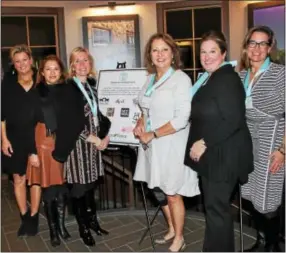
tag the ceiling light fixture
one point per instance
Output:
(111, 5)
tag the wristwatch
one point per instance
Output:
(155, 134)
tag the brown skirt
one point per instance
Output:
(50, 171)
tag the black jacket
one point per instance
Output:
(218, 117)
(69, 116)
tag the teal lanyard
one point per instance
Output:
(198, 84)
(248, 86)
(154, 85)
(92, 103)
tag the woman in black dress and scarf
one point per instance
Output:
(219, 147)
(17, 128)
(83, 166)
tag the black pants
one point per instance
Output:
(219, 233)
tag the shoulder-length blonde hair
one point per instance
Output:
(22, 48)
(244, 60)
(176, 63)
(41, 78)
(76, 50)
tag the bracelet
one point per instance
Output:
(281, 150)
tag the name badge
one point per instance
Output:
(248, 103)
(95, 121)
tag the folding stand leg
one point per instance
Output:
(151, 223)
(147, 217)
(240, 215)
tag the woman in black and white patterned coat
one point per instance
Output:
(83, 167)
(264, 82)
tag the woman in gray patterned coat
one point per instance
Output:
(264, 83)
(83, 167)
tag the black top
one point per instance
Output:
(18, 111)
(61, 109)
(218, 117)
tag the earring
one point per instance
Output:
(152, 64)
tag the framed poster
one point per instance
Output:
(113, 40)
(117, 95)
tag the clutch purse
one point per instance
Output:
(104, 125)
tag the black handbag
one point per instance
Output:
(104, 125)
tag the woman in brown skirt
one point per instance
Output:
(51, 136)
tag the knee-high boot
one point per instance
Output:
(92, 216)
(259, 222)
(51, 214)
(80, 211)
(61, 209)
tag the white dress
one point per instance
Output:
(162, 164)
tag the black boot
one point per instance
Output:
(92, 216)
(272, 233)
(259, 244)
(24, 224)
(259, 222)
(80, 212)
(33, 227)
(51, 214)
(61, 209)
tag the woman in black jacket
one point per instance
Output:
(57, 114)
(219, 147)
(83, 167)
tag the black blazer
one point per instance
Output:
(69, 110)
(218, 117)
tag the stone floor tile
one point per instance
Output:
(16, 244)
(4, 243)
(37, 244)
(77, 246)
(124, 248)
(100, 247)
(126, 219)
(60, 248)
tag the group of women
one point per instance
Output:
(49, 125)
(228, 128)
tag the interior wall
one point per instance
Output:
(74, 11)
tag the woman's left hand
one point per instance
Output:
(104, 143)
(197, 150)
(146, 137)
(277, 161)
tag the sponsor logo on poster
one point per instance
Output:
(124, 112)
(104, 100)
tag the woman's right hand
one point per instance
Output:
(7, 148)
(139, 128)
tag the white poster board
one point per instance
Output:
(117, 91)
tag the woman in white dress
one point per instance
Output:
(163, 130)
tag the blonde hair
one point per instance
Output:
(76, 50)
(20, 49)
(244, 60)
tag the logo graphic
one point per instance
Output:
(119, 101)
(123, 77)
(124, 112)
(104, 100)
(110, 112)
